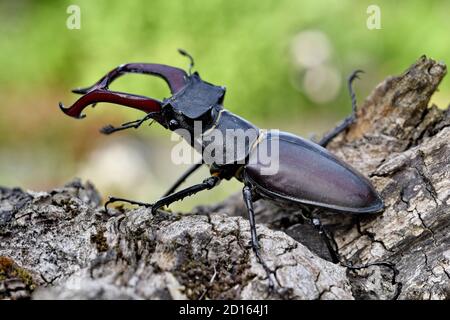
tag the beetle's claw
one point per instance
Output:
(65, 110)
(355, 75)
(108, 129)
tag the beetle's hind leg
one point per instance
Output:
(338, 259)
(327, 238)
(347, 121)
(247, 194)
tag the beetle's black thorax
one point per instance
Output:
(196, 99)
(228, 141)
(222, 137)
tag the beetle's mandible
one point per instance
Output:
(309, 175)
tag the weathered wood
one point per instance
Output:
(63, 244)
(72, 249)
(402, 144)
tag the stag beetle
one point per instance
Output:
(308, 175)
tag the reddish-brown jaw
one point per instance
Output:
(101, 95)
(176, 79)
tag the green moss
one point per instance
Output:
(11, 270)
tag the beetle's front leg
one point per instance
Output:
(108, 129)
(115, 199)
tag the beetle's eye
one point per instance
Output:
(173, 124)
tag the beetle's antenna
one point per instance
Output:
(184, 53)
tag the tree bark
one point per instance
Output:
(61, 244)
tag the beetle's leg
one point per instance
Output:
(347, 121)
(207, 184)
(183, 177)
(108, 129)
(386, 264)
(115, 199)
(247, 194)
(326, 238)
(337, 258)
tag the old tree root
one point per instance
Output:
(61, 244)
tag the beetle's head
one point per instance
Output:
(197, 104)
(193, 100)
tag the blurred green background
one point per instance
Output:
(284, 64)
